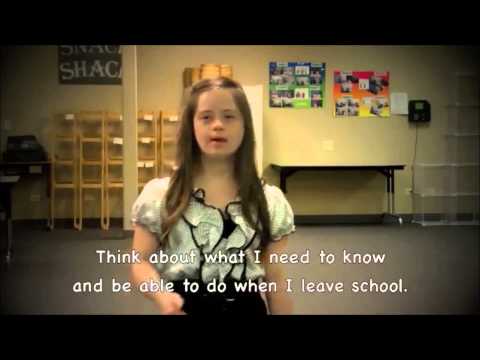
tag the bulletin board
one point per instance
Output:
(361, 93)
(297, 85)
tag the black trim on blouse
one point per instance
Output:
(228, 227)
(201, 199)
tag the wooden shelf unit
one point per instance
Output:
(64, 133)
(91, 131)
(167, 139)
(113, 140)
(147, 140)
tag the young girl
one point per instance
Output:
(214, 204)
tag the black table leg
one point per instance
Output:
(390, 216)
(387, 174)
(6, 197)
(284, 174)
(283, 180)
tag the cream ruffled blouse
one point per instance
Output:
(199, 231)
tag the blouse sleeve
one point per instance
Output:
(281, 213)
(147, 207)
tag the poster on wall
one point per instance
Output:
(90, 64)
(361, 93)
(297, 85)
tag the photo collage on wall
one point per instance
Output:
(361, 93)
(297, 85)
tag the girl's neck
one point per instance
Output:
(216, 171)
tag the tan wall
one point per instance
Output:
(296, 136)
(31, 93)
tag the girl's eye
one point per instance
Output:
(229, 116)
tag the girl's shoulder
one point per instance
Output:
(153, 192)
(156, 187)
(268, 188)
(273, 194)
(280, 210)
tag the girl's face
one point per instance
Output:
(218, 124)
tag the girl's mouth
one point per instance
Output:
(218, 140)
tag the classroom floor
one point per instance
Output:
(438, 266)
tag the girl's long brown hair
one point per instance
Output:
(188, 157)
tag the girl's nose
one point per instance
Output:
(217, 123)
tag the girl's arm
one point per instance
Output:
(145, 244)
(279, 302)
